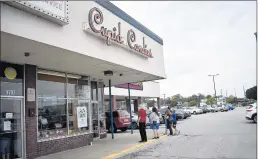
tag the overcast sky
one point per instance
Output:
(202, 38)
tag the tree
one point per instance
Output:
(251, 93)
(193, 103)
(231, 99)
(173, 102)
(208, 96)
(211, 101)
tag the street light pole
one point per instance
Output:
(244, 91)
(164, 99)
(221, 92)
(214, 86)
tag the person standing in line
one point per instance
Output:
(142, 123)
(154, 120)
(174, 122)
(168, 122)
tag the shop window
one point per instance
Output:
(52, 105)
(78, 116)
(77, 87)
(52, 120)
(51, 85)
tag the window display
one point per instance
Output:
(52, 114)
(52, 121)
(63, 102)
(78, 116)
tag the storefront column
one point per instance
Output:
(30, 112)
(113, 102)
(127, 102)
(158, 103)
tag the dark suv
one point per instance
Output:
(121, 120)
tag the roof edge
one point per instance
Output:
(121, 14)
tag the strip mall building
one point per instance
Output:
(53, 58)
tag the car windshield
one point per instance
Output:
(123, 113)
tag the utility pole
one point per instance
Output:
(235, 91)
(164, 99)
(221, 92)
(214, 86)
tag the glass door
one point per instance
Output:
(11, 127)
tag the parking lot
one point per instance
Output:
(213, 135)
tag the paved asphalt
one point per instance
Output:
(222, 135)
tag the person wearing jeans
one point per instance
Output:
(154, 120)
(142, 124)
(168, 122)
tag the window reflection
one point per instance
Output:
(51, 86)
(78, 116)
(52, 121)
(52, 115)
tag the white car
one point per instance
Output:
(251, 112)
(195, 110)
(210, 108)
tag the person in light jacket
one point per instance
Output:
(154, 122)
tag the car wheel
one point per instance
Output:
(123, 129)
(255, 118)
(194, 112)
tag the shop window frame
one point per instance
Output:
(89, 101)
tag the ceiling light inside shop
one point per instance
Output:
(51, 73)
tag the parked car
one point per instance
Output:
(121, 120)
(134, 121)
(204, 109)
(186, 114)
(216, 108)
(187, 111)
(195, 110)
(231, 107)
(225, 108)
(221, 108)
(179, 114)
(251, 112)
(210, 108)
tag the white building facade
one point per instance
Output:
(53, 58)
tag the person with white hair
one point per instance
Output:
(142, 123)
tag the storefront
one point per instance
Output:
(53, 59)
(139, 92)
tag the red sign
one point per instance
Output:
(96, 18)
(136, 86)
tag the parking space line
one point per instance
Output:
(116, 154)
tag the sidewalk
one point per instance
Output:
(107, 148)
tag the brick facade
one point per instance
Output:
(30, 122)
(58, 145)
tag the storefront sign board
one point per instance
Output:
(135, 86)
(96, 19)
(82, 117)
(55, 11)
